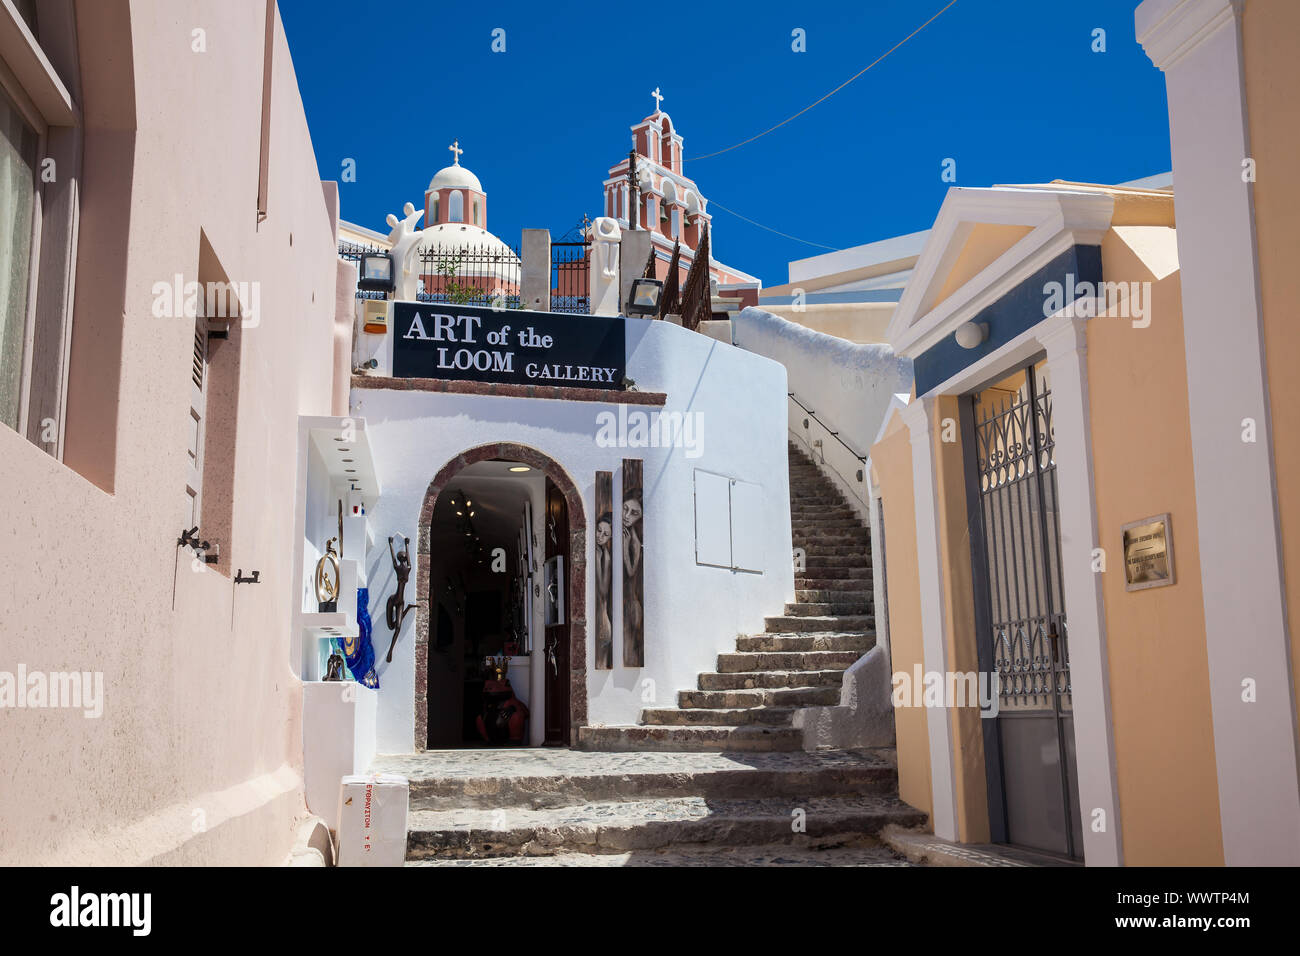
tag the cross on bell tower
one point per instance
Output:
(456, 151)
(658, 97)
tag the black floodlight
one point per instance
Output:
(644, 299)
(377, 273)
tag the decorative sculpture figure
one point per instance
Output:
(396, 610)
(603, 277)
(405, 239)
(334, 667)
(327, 586)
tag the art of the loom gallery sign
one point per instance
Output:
(479, 344)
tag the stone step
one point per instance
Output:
(820, 583)
(746, 738)
(858, 573)
(867, 851)
(615, 827)
(538, 777)
(741, 661)
(754, 680)
(834, 593)
(824, 542)
(860, 641)
(860, 559)
(832, 536)
(811, 523)
(761, 697)
(817, 609)
(717, 717)
(792, 624)
(824, 549)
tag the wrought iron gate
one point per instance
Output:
(1020, 615)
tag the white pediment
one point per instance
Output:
(1056, 218)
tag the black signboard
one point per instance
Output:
(481, 344)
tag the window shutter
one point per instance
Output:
(198, 408)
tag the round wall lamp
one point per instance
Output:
(971, 335)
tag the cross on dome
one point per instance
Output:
(456, 150)
(658, 100)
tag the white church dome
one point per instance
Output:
(455, 177)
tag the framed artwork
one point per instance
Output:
(604, 567)
(633, 554)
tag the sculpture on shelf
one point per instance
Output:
(405, 238)
(334, 667)
(327, 586)
(396, 610)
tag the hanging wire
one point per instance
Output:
(784, 235)
(828, 95)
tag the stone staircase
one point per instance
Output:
(719, 780)
(748, 704)
(563, 807)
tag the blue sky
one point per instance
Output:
(1010, 89)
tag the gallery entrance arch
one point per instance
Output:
(572, 714)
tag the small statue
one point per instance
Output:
(334, 667)
(327, 586)
(396, 610)
(405, 239)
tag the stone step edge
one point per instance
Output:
(740, 824)
(535, 792)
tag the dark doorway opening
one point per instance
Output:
(556, 618)
(488, 590)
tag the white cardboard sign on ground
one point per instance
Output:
(372, 820)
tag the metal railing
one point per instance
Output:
(570, 278)
(487, 275)
(830, 431)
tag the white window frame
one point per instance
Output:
(30, 81)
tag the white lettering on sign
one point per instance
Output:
(446, 328)
(570, 373)
(482, 348)
(483, 360)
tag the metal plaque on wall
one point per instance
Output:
(1148, 553)
(514, 346)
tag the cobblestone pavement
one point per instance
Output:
(702, 856)
(542, 761)
(634, 814)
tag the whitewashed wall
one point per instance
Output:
(692, 613)
(848, 385)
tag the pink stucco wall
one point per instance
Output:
(197, 756)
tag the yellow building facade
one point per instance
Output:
(1092, 492)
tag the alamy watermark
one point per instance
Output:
(1089, 300)
(950, 689)
(72, 690)
(221, 300)
(639, 429)
(132, 911)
